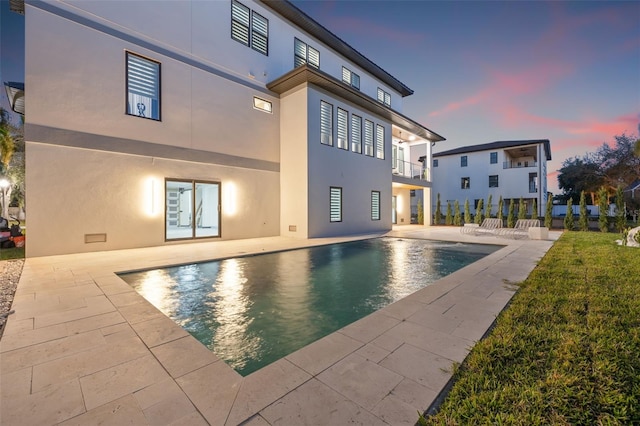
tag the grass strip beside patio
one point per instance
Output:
(566, 350)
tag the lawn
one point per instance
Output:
(566, 350)
(12, 253)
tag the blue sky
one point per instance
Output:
(485, 70)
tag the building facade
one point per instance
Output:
(173, 121)
(511, 169)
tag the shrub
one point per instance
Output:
(448, 220)
(478, 218)
(621, 217)
(511, 219)
(438, 215)
(467, 211)
(457, 217)
(499, 213)
(488, 208)
(548, 218)
(522, 212)
(420, 212)
(534, 209)
(583, 221)
(568, 219)
(603, 206)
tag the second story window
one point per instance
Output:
(343, 128)
(463, 161)
(384, 97)
(143, 87)
(326, 123)
(356, 133)
(249, 27)
(351, 78)
(368, 138)
(305, 54)
(435, 162)
(493, 158)
(379, 142)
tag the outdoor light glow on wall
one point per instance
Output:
(399, 203)
(151, 197)
(230, 198)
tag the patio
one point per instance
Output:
(84, 348)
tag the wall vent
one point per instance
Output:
(293, 228)
(95, 238)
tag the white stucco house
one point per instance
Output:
(179, 121)
(511, 169)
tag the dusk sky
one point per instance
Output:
(484, 71)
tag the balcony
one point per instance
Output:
(411, 170)
(518, 164)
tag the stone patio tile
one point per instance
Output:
(116, 328)
(192, 419)
(372, 353)
(363, 382)
(403, 308)
(473, 330)
(114, 288)
(263, 387)
(121, 412)
(17, 326)
(314, 403)
(52, 405)
(78, 291)
(434, 291)
(32, 337)
(388, 341)
(158, 330)
(256, 420)
(117, 349)
(139, 312)
(15, 383)
(172, 408)
(417, 396)
(184, 355)
(369, 327)
(95, 305)
(474, 310)
(323, 353)
(446, 345)
(112, 383)
(94, 322)
(125, 299)
(212, 389)
(49, 351)
(426, 368)
(436, 318)
(396, 412)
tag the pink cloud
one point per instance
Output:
(456, 105)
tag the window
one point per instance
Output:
(435, 162)
(533, 182)
(343, 128)
(379, 142)
(262, 105)
(463, 161)
(304, 54)
(465, 183)
(493, 181)
(384, 97)
(375, 205)
(356, 134)
(143, 87)
(368, 138)
(192, 209)
(249, 27)
(493, 158)
(335, 204)
(326, 123)
(351, 78)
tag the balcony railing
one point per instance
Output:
(410, 170)
(518, 164)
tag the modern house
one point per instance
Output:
(511, 169)
(188, 120)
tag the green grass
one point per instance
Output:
(567, 349)
(12, 253)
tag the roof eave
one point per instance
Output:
(307, 74)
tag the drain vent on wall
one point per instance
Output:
(95, 238)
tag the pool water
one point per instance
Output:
(251, 311)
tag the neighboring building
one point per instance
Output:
(511, 169)
(187, 120)
(633, 189)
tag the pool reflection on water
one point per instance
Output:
(251, 311)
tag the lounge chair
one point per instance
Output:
(520, 230)
(489, 226)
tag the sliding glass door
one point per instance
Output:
(192, 209)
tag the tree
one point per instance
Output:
(438, 214)
(548, 218)
(11, 165)
(478, 217)
(457, 218)
(511, 220)
(467, 211)
(522, 212)
(583, 221)
(499, 213)
(568, 219)
(603, 206)
(488, 208)
(420, 212)
(534, 209)
(621, 216)
(448, 220)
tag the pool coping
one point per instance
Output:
(84, 347)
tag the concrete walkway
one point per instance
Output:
(84, 348)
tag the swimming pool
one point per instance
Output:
(251, 311)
